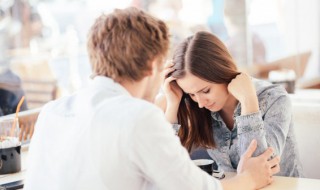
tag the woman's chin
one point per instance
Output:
(214, 108)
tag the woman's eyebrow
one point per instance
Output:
(198, 90)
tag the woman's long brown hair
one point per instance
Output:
(205, 56)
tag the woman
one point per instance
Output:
(223, 110)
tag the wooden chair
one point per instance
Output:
(37, 78)
(39, 92)
(297, 62)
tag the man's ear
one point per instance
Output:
(156, 66)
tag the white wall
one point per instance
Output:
(301, 29)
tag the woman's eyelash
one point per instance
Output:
(207, 91)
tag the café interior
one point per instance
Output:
(43, 56)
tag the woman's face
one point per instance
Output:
(211, 96)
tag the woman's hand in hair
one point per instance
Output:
(173, 93)
(243, 90)
(171, 89)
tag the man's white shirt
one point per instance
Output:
(103, 138)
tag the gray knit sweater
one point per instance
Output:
(272, 126)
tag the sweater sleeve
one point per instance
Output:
(269, 130)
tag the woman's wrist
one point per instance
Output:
(249, 105)
(172, 119)
(173, 106)
(171, 113)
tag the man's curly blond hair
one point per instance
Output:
(122, 45)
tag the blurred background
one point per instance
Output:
(43, 42)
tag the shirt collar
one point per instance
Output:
(109, 84)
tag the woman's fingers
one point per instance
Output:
(168, 80)
(167, 71)
(168, 64)
(168, 68)
(170, 86)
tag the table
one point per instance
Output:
(280, 183)
(289, 183)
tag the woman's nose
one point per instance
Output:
(201, 101)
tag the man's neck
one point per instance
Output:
(136, 89)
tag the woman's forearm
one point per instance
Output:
(251, 127)
(249, 105)
(171, 113)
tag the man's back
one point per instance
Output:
(85, 139)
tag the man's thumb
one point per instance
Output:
(252, 147)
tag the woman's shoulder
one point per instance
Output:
(265, 88)
(268, 94)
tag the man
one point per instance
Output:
(107, 136)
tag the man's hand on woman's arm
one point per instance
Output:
(254, 172)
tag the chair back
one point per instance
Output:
(306, 118)
(37, 78)
(39, 91)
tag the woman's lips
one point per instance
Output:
(210, 106)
